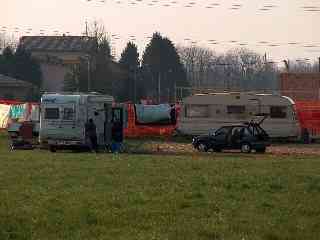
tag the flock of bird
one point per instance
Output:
(19, 31)
(190, 4)
(308, 47)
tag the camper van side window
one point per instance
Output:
(51, 113)
(68, 114)
(236, 109)
(197, 111)
(278, 112)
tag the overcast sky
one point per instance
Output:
(286, 21)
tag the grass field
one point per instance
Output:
(195, 196)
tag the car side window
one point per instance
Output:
(222, 131)
(246, 132)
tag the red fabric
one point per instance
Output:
(26, 130)
(10, 102)
(134, 130)
(308, 113)
(15, 102)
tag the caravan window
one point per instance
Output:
(68, 114)
(197, 111)
(236, 109)
(51, 113)
(278, 112)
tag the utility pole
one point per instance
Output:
(75, 74)
(135, 86)
(89, 78)
(87, 28)
(287, 64)
(159, 87)
(175, 91)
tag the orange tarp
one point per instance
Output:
(308, 113)
(134, 130)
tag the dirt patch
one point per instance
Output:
(295, 149)
(185, 148)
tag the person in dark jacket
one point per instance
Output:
(117, 136)
(91, 134)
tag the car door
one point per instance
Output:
(235, 137)
(221, 137)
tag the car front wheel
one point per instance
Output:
(246, 148)
(202, 147)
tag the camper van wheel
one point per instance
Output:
(246, 148)
(52, 148)
(202, 147)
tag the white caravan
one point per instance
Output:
(63, 118)
(202, 112)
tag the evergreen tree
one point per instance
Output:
(104, 75)
(26, 68)
(7, 61)
(130, 87)
(162, 67)
(20, 65)
(130, 56)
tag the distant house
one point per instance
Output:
(56, 55)
(11, 88)
(301, 86)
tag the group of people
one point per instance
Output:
(116, 136)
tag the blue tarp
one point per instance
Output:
(152, 113)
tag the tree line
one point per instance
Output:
(154, 76)
(158, 73)
(18, 63)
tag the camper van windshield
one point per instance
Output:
(51, 113)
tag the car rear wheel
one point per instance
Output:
(246, 148)
(202, 147)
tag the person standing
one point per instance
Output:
(117, 136)
(91, 134)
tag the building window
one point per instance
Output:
(51, 113)
(68, 114)
(278, 112)
(236, 109)
(197, 111)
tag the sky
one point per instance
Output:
(284, 29)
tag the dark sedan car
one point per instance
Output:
(246, 137)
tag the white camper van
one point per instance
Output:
(202, 112)
(63, 118)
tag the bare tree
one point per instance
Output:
(7, 41)
(237, 69)
(197, 62)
